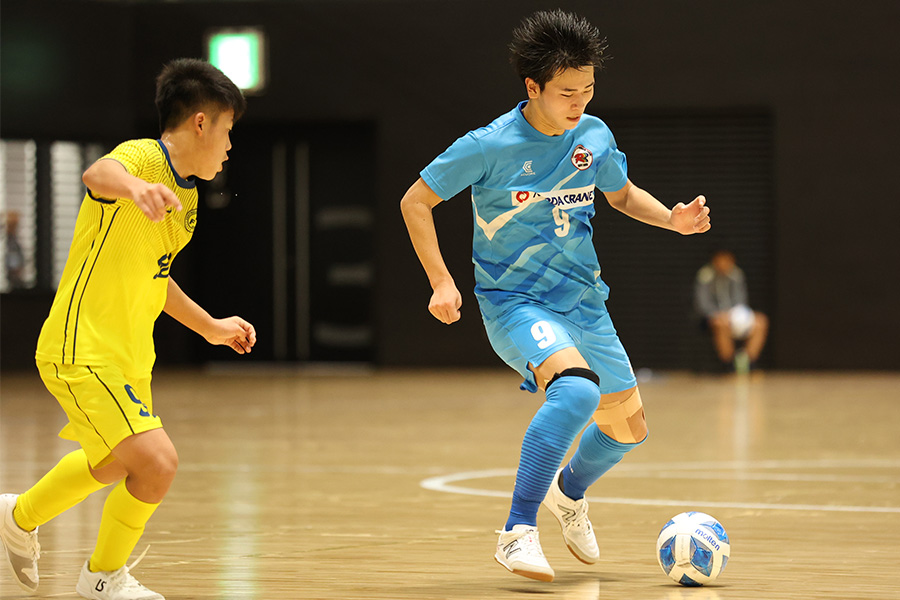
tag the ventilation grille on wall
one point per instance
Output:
(729, 159)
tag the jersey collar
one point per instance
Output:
(188, 183)
(533, 133)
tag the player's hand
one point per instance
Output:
(445, 303)
(693, 218)
(154, 198)
(233, 332)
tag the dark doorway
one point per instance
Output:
(285, 239)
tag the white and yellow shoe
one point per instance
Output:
(20, 547)
(113, 585)
(520, 552)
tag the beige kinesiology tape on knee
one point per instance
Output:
(622, 418)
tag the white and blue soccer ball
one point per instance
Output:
(693, 548)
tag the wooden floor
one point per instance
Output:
(299, 484)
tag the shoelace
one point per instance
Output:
(579, 519)
(128, 582)
(32, 544)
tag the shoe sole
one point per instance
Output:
(579, 557)
(548, 577)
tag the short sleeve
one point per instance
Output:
(134, 156)
(458, 167)
(141, 158)
(613, 173)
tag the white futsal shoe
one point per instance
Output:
(21, 547)
(573, 518)
(113, 585)
(520, 552)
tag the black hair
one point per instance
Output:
(189, 85)
(549, 42)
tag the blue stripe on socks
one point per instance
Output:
(571, 402)
(597, 453)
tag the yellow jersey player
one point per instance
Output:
(95, 352)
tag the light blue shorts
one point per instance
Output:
(527, 332)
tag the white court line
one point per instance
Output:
(742, 476)
(444, 483)
(818, 463)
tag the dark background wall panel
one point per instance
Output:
(424, 72)
(66, 71)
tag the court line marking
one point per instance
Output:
(744, 476)
(445, 483)
(817, 463)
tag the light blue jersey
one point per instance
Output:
(532, 199)
(537, 276)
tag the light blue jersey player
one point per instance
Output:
(534, 173)
(537, 276)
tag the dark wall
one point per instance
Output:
(425, 72)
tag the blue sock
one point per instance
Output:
(571, 402)
(597, 453)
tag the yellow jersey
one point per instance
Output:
(115, 280)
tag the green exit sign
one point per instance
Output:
(240, 54)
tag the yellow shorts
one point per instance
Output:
(104, 407)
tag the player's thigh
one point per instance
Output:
(606, 356)
(104, 406)
(527, 335)
(556, 363)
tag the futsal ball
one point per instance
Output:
(693, 548)
(741, 319)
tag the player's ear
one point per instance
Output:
(199, 122)
(532, 87)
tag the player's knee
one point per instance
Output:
(169, 466)
(621, 417)
(160, 468)
(578, 389)
(720, 323)
(638, 427)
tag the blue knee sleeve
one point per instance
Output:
(571, 402)
(597, 453)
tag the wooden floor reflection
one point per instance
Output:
(300, 484)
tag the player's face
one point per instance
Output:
(559, 106)
(215, 143)
(723, 262)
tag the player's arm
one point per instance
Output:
(642, 206)
(232, 331)
(417, 205)
(108, 178)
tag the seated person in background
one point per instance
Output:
(720, 296)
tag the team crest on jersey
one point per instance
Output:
(190, 220)
(582, 158)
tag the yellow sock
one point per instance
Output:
(121, 526)
(67, 484)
